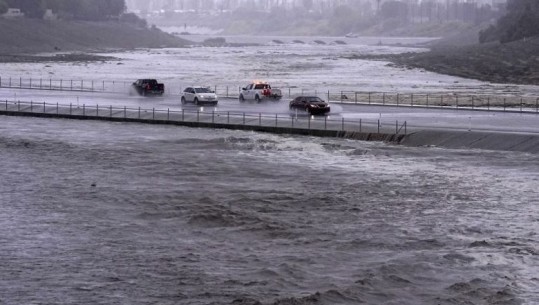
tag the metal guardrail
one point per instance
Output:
(283, 120)
(527, 104)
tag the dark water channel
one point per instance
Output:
(110, 213)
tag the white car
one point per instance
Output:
(199, 95)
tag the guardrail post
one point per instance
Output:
(521, 105)
(325, 122)
(111, 111)
(289, 93)
(19, 106)
(168, 114)
(92, 85)
(504, 104)
(103, 86)
(213, 116)
(405, 126)
(412, 99)
(44, 111)
(360, 127)
(6, 105)
(341, 96)
(97, 110)
(226, 91)
(378, 126)
(328, 96)
(355, 97)
(276, 121)
(427, 100)
(71, 86)
(369, 98)
(397, 100)
(259, 119)
(70, 106)
(183, 115)
(342, 125)
(31, 106)
(198, 115)
(309, 123)
(20, 82)
(10, 82)
(50, 83)
(125, 112)
(83, 109)
(30, 83)
(0, 81)
(153, 113)
(57, 108)
(457, 97)
(244, 118)
(383, 98)
(139, 113)
(397, 127)
(228, 117)
(82, 85)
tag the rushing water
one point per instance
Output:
(111, 213)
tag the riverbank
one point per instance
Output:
(514, 63)
(22, 39)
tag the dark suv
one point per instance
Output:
(148, 87)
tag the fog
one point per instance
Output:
(317, 17)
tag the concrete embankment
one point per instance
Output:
(329, 132)
(426, 138)
(474, 140)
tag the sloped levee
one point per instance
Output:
(528, 143)
(362, 136)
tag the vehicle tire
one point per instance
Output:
(242, 99)
(183, 100)
(196, 101)
(257, 98)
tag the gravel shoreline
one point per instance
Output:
(515, 63)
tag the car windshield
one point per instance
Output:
(314, 100)
(262, 86)
(202, 90)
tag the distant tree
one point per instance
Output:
(521, 21)
(3, 7)
(394, 10)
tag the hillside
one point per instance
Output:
(39, 36)
(515, 62)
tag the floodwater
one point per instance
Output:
(112, 213)
(298, 66)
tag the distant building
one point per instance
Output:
(13, 13)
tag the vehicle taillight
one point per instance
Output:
(266, 92)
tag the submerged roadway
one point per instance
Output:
(417, 118)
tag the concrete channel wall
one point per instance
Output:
(320, 126)
(393, 132)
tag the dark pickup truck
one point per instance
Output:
(148, 87)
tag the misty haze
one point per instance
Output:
(269, 152)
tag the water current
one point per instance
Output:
(113, 213)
